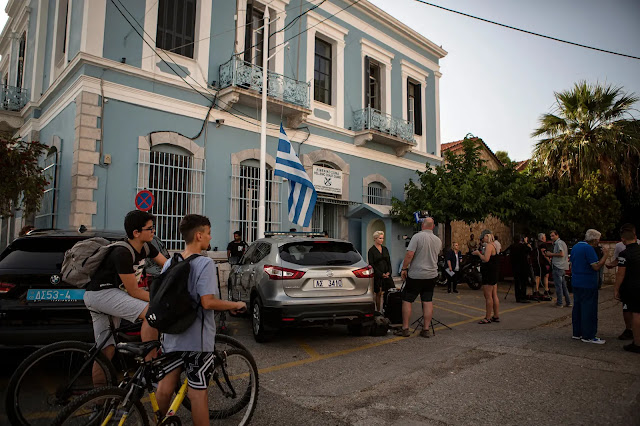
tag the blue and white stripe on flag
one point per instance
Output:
(302, 194)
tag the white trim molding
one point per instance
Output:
(420, 76)
(198, 66)
(437, 75)
(384, 57)
(335, 35)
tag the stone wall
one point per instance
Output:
(461, 231)
(609, 274)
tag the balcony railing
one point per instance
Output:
(13, 98)
(372, 119)
(246, 75)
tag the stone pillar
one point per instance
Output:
(85, 157)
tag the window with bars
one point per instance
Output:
(45, 217)
(377, 193)
(176, 26)
(177, 184)
(245, 188)
(322, 72)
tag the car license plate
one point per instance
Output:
(327, 283)
(63, 295)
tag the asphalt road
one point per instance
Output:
(525, 370)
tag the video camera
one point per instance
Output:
(420, 215)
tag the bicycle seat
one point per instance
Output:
(138, 349)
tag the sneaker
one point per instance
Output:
(626, 335)
(424, 333)
(404, 332)
(576, 337)
(559, 306)
(596, 340)
(568, 305)
(632, 347)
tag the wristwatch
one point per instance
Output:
(405, 269)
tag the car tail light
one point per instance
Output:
(6, 287)
(364, 272)
(280, 273)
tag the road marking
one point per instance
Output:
(309, 350)
(451, 310)
(459, 304)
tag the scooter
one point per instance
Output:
(469, 272)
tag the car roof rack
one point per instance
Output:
(292, 234)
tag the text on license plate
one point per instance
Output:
(327, 283)
(63, 295)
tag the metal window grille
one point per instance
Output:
(177, 184)
(46, 215)
(326, 217)
(377, 195)
(245, 188)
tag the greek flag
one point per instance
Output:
(302, 194)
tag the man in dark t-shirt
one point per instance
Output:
(236, 248)
(627, 285)
(113, 290)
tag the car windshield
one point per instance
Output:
(315, 253)
(45, 254)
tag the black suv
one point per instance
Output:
(36, 307)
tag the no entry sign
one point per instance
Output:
(144, 200)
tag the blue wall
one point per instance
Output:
(75, 29)
(120, 39)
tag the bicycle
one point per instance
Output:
(50, 377)
(233, 392)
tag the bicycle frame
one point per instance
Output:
(175, 404)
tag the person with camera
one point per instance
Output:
(541, 266)
(489, 271)
(420, 271)
(519, 256)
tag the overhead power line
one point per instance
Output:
(528, 32)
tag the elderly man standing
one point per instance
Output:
(420, 271)
(584, 271)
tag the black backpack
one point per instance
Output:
(171, 308)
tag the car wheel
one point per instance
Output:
(359, 329)
(257, 322)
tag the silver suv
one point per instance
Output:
(301, 280)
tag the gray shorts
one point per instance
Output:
(111, 302)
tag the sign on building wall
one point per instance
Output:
(327, 180)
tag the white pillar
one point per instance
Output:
(263, 125)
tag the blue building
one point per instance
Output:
(165, 95)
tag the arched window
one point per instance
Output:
(377, 193)
(176, 180)
(45, 217)
(245, 192)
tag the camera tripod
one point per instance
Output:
(419, 323)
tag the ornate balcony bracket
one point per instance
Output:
(362, 138)
(227, 98)
(296, 119)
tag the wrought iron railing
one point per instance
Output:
(372, 119)
(13, 98)
(375, 195)
(239, 73)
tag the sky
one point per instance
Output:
(497, 82)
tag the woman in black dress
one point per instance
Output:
(489, 270)
(379, 259)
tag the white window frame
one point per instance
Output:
(335, 35)
(198, 66)
(278, 15)
(409, 70)
(384, 58)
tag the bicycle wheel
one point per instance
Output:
(94, 407)
(42, 383)
(224, 342)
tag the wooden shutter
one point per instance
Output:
(248, 31)
(367, 86)
(417, 108)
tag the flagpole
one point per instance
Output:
(263, 125)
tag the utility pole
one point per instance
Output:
(263, 125)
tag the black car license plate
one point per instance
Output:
(62, 295)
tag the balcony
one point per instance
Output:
(12, 100)
(241, 82)
(373, 125)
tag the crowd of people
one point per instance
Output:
(532, 262)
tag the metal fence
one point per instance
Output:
(178, 186)
(46, 216)
(372, 119)
(376, 195)
(245, 188)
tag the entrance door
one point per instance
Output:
(326, 217)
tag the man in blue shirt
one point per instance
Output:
(584, 276)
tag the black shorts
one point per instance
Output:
(422, 287)
(198, 365)
(540, 271)
(630, 300)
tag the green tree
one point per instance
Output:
(22, 182)
(592, 129)
(503, 156)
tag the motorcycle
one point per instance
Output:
(469, 272)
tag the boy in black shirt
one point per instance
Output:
(113, 290)
(627, 285)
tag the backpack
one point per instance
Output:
(171, 308)
(83, 259)
(380, 325)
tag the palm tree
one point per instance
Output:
(593, 129)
